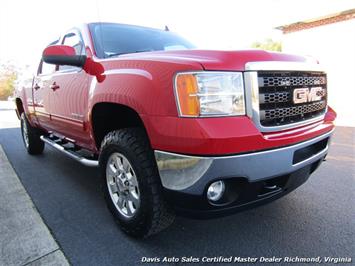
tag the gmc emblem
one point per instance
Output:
(304, 95)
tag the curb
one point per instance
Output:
(25, 239)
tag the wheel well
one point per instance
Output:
(107, 117)
(19, 107)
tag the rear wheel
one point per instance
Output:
(31, 137)
(131, 183)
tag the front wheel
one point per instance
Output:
(131, 183)
(31, 137)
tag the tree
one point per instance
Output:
(268, 44)
(8, 77)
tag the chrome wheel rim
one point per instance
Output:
(25, 133)
(122, 185)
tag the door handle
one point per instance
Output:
(36, 86)
(54, 86)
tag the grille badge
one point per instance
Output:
(304, 95)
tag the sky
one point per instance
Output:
(26, 27)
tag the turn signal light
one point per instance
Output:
(187, 89)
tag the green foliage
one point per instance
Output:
(8, 77)
(268, 44)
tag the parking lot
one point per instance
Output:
(315, 220)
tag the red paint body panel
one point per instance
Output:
(148, 89)
(144, 82)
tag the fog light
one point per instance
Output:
(215, 190)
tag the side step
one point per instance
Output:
(72, 154)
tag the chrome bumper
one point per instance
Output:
(192, 173)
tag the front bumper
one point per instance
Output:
(248, 177)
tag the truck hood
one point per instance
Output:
(218, 60)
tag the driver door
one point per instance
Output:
(69, 96)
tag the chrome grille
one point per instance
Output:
(275, 97)
(291, 81)
(292, 111)
(276, 90)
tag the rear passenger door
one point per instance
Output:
(41, 94)
(69, 95)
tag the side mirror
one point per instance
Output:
(63, 55)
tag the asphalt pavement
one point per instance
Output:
(318, 219)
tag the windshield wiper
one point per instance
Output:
(138, 51)
(115, 54)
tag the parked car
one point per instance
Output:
(174, 129)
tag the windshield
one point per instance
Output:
(112, 39)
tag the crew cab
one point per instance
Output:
(175, 129)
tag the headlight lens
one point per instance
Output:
(210, 94)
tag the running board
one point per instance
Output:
(71, 154)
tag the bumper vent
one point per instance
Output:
(276, 97)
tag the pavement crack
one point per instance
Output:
(28, 263)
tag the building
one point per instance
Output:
(331, 40)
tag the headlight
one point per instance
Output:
(210, 94)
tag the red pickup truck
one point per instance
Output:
(175, 129)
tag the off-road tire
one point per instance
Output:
(153, 214)
(34, 145)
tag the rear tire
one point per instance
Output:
(131, 183)
(31, 137)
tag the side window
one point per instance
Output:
(44, 68)
(47, 68)
(72, 39)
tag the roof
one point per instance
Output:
(320, 21)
